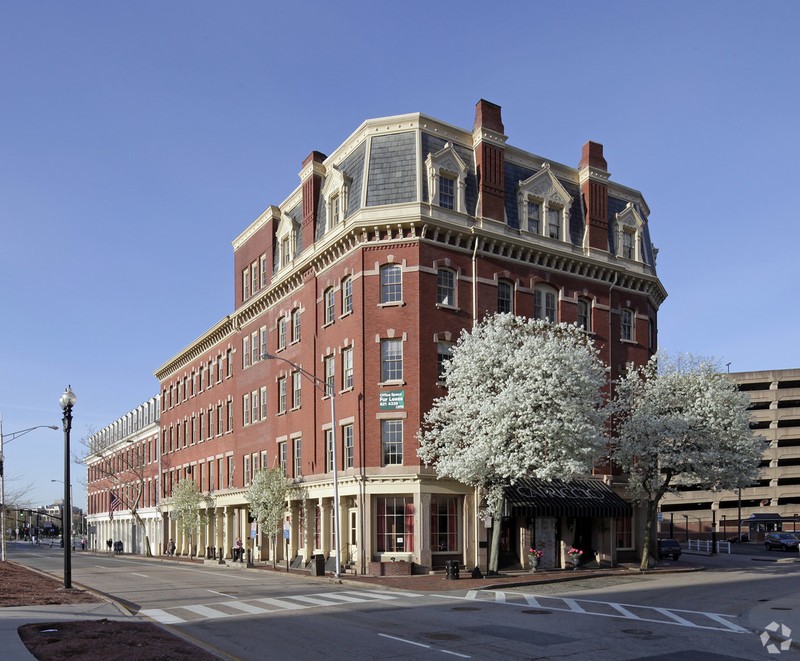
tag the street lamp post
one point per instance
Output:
(67, 401)
(714, 508)
(322, 386)
(8, 438)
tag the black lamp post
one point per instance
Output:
(714, 508)
(67, 401)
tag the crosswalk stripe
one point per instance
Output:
(627, 613)
(161, 616)
(205, 611)
(674, 616)
(573, 605)
(281, 603)
(314, 601)
(532, 601)
(377, 595)
(345, 598)
(721, 619)
(245, 607)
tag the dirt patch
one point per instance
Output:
(108, 640)
(91, 639)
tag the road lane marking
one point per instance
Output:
(133, 573)
(427, 647)
(222, 594)
(245, 607)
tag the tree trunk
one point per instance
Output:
(647, 541)
(497, 524)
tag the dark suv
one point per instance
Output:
(785, 541)
(669, 548)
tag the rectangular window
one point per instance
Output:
(392, 442)
(254, 348)
(347, 296)
(585, 314)
(254, 277)
(282, 457)
(298, 457)
(347, 445)
(263, 342)
(245, 284)
(263, 270)
(281, 333)
(624, 532)
(201, 378)
(296, 383)
(445, 287)
(534, 216)
(211, 475)
(230, 415)
(444, 523)
(394, 524)
(246, 464)
(229, 361)
(335, 210)
(263, 459)
(446, 192)
(444, 351)
(626, 324)
(504, 297)
(329, 375)
(230, 471)
(347, 368)
(328, 450)
(202, 431)
(627, 245)
(282, 395)
(329, 302)
(391, 284)
(246, 352)
(255, 464)
(221, 469)
(263, 402)
(391, 360)
(545, 305)
(210, 422)
(554, 223)
(295, 325)
(254, 405)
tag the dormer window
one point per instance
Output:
(447, 176)
(629, 228)
(543, 205)
(335, 192)
(287, 233)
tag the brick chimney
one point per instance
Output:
(489, 142)
(593, 172)
(311, 178)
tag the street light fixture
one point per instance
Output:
(323, 387)
(8, 438)
(67, 401)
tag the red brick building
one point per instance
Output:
(410, 231)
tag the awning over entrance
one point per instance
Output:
(576, 498)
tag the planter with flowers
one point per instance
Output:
(534, 556)
(575, 554)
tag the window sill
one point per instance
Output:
(392, 304)
(399, 382)
(624, 341)
(444, 306)
(329, 323)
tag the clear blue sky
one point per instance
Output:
(137, 140)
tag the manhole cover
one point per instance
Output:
(533, 611)
(465, 608)
(637, 632)
(442, 636)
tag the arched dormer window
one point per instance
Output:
(543, 205)
(335, 195)
(287, 240)
(628, 233)
(447, 175)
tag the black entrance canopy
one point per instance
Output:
(575, 498)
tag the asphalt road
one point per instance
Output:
(265, 615)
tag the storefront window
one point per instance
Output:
(624, 532)
(444, 523)
(395, 525)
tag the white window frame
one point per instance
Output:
(586, 312)
(627, 325)
(446, 291)
(389, 361)
(329, 306)
(629, 223)
(544, 189)
(391, 293)
(448, 164)
(296, 325)
(347, 295)
(347, 368)
(541, 307)
(335, 191)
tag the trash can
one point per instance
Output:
(319, 565)
(452, 570)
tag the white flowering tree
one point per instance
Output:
(267, 495)
(681, 422)
(524, 398)
(186, 504)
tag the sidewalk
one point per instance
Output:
(13, 649)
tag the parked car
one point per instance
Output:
(785, 541)
(669, 548)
